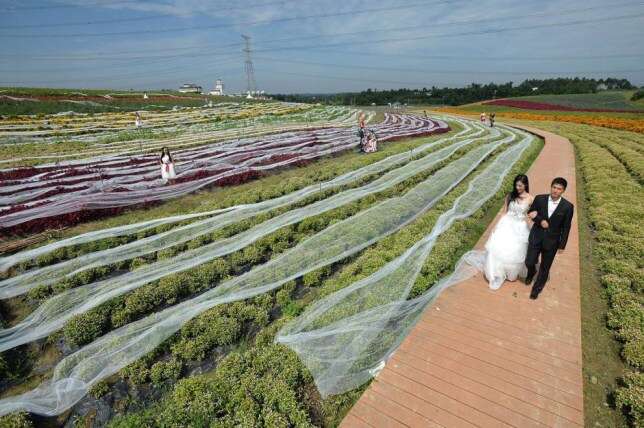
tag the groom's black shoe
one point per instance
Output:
(528, 279)
(535, 292)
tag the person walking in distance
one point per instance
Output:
(552, 216)
(168, 173)
(361, 130)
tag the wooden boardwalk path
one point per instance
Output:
(482, 358)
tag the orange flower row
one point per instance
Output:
(634, 125)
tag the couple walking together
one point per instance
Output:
(530, 228)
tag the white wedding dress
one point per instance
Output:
(506, 248)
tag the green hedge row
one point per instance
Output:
(90, 275)
(16, 420)
(630, 155)
(169, 290)
(265, 386)
(615, 200)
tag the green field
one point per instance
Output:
(615, 100)
(29, 101)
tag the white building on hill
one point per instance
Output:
(190, 88)
(219, 88)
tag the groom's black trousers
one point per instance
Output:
(531, 259)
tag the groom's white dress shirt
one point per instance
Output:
(552, 205)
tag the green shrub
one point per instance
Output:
(99, 389)
(292, 309)
(205, 332)
(16, 420)
(167, 253)
(86, 327)
(5, 372)
(39, 293)
(162, 371)
(259, 387)
(630, 398)
(46, 259)
(137, 263)
(314, 278)
(137, 373)
(283, 296)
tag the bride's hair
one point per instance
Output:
(514, 194)
(163, 152)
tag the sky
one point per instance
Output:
(316, 46)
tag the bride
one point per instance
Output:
(507, 246)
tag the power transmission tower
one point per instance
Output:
(248, 67)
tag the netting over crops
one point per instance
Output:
(218, 219)
(346, 338)
(57, 310)
(7, 262)
(75, 374)
(121, 180)
(221, 121)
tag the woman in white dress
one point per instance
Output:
(138, 122)
(507, 246)
(167, 166)
(371, 144)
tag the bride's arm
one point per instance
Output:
(530, 219)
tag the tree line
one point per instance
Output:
(469, 94)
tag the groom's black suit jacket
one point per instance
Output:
(556, 235)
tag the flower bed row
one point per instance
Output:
(533, 105)
(174, 288)
(168, 368)
(614, 209)
(182, 129)
(246, 384)
(158, 294)
(139, 187)
(633, 125)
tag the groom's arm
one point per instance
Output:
(565, 229)
(534, 207)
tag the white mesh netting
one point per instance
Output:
(57, 310)
(345, 338)
(221, 218)
(78, 371)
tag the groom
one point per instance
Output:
(552, 216)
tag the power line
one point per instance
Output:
(467, 33)
(127, 65)
(490, 58)
(66, 6)
(245, 7)
(309, 47)
(210, 27)
(105, 55)
(353, 79)
(127, 76)
(143, 18)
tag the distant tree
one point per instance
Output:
(456, 96)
